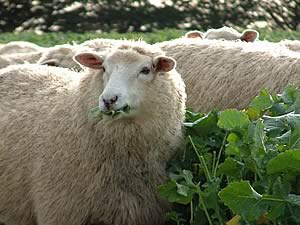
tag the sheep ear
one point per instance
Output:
(194, 34)
(164, 64)
(249, 35)
(50, 62)
(90, 60)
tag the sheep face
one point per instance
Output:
(60, 56)
(230, 34)
(127, 75)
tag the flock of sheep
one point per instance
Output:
(60, 165)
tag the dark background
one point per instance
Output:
(141, 15)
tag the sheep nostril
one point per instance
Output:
(106, 103)
(114, 99)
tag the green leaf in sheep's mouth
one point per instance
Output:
(114, 113)
(98, 114)
(95, 113)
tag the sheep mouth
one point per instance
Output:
(97, 114)
(115, 113)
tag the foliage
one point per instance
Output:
(54, 38)
(142, 15)
(239, 167)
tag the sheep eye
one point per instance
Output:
(145, 70)
(103, 69)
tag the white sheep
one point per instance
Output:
(225, 33)
(293, 45)
(58, 165)
(20, 47)
(19, 58)
(226, 74)
(62, 55)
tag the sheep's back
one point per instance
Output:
(223, 74)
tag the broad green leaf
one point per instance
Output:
(233, 119)
(294, 139)
(182, 189)
(169, 191)
(262, 102)
(230, 167)
(203, 126)
(242, 199)
(210, 193)
(259, 136)
(188, 176)
(294, 199)
(258, 149)
(284, 162)
(234, 145)
(284, 121)
(289, 94)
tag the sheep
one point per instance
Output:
(293, 45)
(20, 47)
(61, 55)
(226, 33)
(58, 165)
(19, 58)
(225, 74)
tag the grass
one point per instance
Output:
(50, 39)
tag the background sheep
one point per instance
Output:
(60, 167)
(19, 58)
(19, 47)
(62, 55)
(293, 45)
(225, 33)
(226, 74)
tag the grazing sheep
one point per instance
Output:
(62, 55)
(19, 47)
(60, 166)
(225, 33)
(194, 34)
(227, 74)
(293, 45)
(19, 58)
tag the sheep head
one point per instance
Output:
(128, 77)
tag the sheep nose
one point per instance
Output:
(109, 102)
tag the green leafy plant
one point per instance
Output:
(239, 167)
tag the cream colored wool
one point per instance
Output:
(226, 74)
(225, 33)
(293, 45)
(58, 166)
(19, 58)
(62, 55)
(19, 47)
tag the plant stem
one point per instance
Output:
(192, 213)
(213, 164)
(219, 154)
(204, 207)
(218, 214)
(201, 160)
